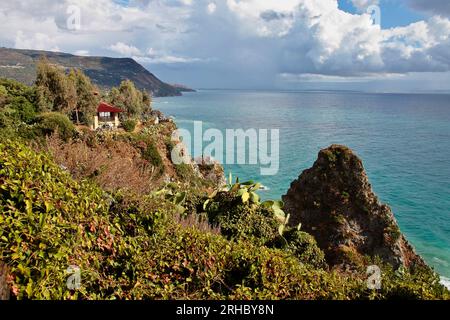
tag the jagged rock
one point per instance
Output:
(210, 169)
(335, 203)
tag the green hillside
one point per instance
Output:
(104, 72)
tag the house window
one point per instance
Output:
(105, 114)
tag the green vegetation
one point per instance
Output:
(87, 100)
(136, 248)
(54, 122)
(108, 71)
(17, 102)
(71, 94)
(129, 125)
(130, 99)
(151, 154)
(100, 201)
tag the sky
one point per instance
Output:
(368, 45)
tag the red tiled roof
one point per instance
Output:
(104, 107)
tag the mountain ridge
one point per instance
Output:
(105, 72)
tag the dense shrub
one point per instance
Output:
(5, 120)
(129, 125)
(242, 221)
(3, 91)
(14, 88)
(304, 247)
(52, 122)
(151, 154)
(257, 223)
(44, 222)
(17, 101)
(25, 111)
(183, 171)
(134, 248)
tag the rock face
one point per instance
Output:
(335, 203)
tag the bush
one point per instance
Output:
(5, 120)
(3, 91)
(256, 223)
(242, 221)
(135, 248)
(18, 99)
(152, 155)
(25, 111)
(304, 247)
(16, 89)
(44, 223)
(52, 122)
(129, 125)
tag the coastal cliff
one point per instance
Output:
(335, 203)
(115, 205)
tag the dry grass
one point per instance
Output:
(111, 164)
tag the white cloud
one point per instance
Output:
(211, 8)
(166, 59)
(362, 5)
(124, 49)
(82, 53)
(157, 57)
(251, 41)
(36, 41)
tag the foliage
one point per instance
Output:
(152, 155)
(87, 100)
(24, 110)
(304, 247)
(241, 221)
(184, 171)
(176, 198)
(72, 94)
(17, 101)
(13, 88)
(134, 248)
(129, 125)
(54, 122)
(3, 91)
(279, 214)
(129, 98)
(55, 91)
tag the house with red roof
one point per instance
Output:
(107, 116)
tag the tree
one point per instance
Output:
(130, 99)
(55, 91)
(72, 94)
(147, 102)
(87, 100)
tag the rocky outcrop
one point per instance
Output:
(335, 203)
(211, 170)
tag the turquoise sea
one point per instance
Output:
(403, 139)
